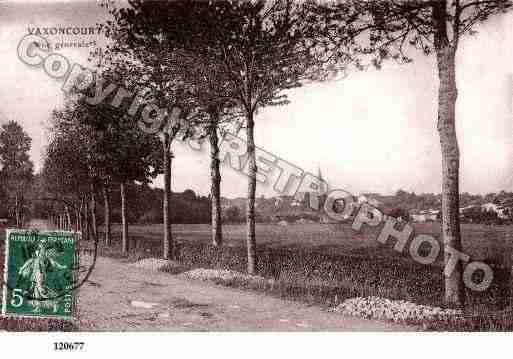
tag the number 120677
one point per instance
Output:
(68, 345)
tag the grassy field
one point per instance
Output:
(325, 264)
(481, 242)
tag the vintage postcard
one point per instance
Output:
(263, 165)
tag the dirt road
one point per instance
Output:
(122, 297)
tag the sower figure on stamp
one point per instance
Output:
(35, 269)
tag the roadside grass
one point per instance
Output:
(318, 265)
(314, 264)
(36, 325)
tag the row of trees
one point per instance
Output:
(92, 149)
(221, 61)
(433, 201)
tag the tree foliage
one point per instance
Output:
(17, 170)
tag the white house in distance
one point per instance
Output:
(466, 208)
(432, 214)
(366, 198)
(417, 216)
(424, 215)
(500, 210)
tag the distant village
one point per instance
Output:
(493, 208)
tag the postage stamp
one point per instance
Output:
(39, 274)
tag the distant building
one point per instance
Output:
(296, 203)
(320, 189)
(304, 221)
(424, 215)
(432, 214)
(467, 208)
(502, 212)
(314, 199)
(368, 198)
(418, 217)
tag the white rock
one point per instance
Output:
(382, 308)
(223, 274)
(164, 315)
(154, 264)
(141, 304)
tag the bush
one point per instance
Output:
(36, 325)
(233, 214)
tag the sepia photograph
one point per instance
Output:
(240, 167)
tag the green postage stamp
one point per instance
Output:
(39, 274)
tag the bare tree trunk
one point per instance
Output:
(77, 219)
(21, 213)
(106, 204)
(217, 234)
(168, 239)
(16, 211)
(86, 218)
(94, 222)
(68, 217)
(80, 216)
(250, 209)
(124, 239)
(447, 94)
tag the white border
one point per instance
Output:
(6, 266)
(235, 345)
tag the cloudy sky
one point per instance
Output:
(374, 131)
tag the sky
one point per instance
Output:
(373, 131)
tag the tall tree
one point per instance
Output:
(213, 105)
(212, 101)
(119, 152)
(384, 30)
(105, 146)
(264, 49)
(258, 49)
(139, 54)
(106, 206)
(176, 31)
(67, 172)
(17, 169)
